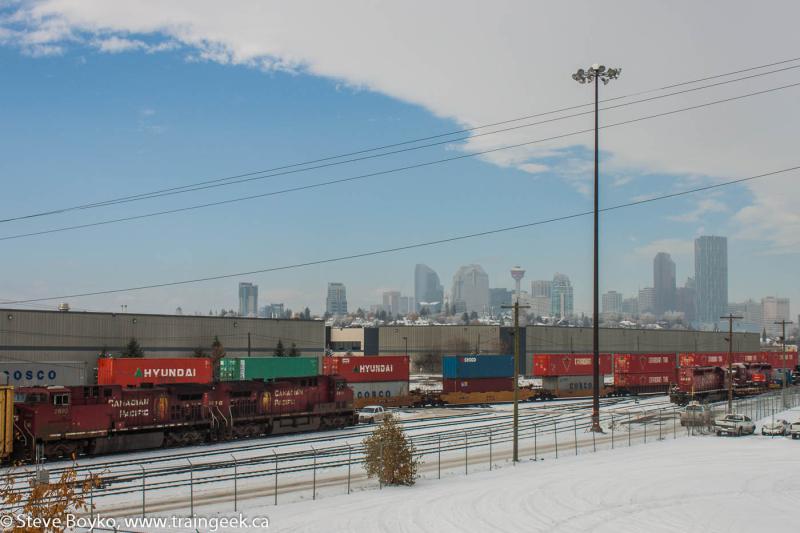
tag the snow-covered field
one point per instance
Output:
(701, 483)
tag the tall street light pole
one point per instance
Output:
(595, 74)
(516, 307)
(730, 318)
(783, 341)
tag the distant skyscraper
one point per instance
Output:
(647, 300)
(541, 287)
(685, 301)
(612, 302)
(470, 290)
(773, 309)
(664, 283)
(406, 305)
(428, 289)
(391, 302)
(336, 302)
(248, 299)
(751, 313)
(711, 278)
(271, 311)
(498, 298)
(630, 306)
(561, 297)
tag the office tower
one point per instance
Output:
(336, 302)
(664, 283)
(248, 299)
(711, 278)
(470, 290)
(428, 291)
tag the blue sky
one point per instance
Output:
(82, 124)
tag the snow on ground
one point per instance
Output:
(703, 483)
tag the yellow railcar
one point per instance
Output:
(6, 421)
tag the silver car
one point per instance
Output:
(775, 427)
(733, 424)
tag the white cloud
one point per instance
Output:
(703, 207)
(480, 62)
(622, 180)
(674, 247)
(533, 168)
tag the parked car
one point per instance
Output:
(696, 414)
(734, 425)
(775, 427)
(794, 429)
(371, 414)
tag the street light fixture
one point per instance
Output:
(595, 74)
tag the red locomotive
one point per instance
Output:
(109, 418)
(710, 383)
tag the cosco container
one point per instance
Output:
(569, 386)
(630, 363)
(477, 366)
(385, 389)
(133, 371)
(477, 385)
(33, 374)
(267, 368)
(568, 364)
(368, 368)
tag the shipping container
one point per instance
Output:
(477, 366)
(33, 374)
(777, 361)
(368, 368)
(649, 379)
(568, 364)
(477, 385)
(702, 359)
(629, 363)
(267, 368)
(573, 386)
(384, 389)
(133, 371)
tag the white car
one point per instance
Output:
(734, 425)
(775, 427)
(371, 414)
(794, 429)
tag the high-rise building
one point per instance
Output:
(647, 300)
(685, 301)
(470, 290)
(774, 309)
(711, 278)
(541, 287)
(497, 299)
(391, 302)
(561, 297)
(540, 306)
(428, 291)
(248, 299)
(664, 283)
(751, 313)
(272, 311)
(336, 302)
(612, 302)
(630, 306)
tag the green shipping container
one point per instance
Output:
(246, 368)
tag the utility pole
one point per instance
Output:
(516, 307)
(405, 339)
(595, 74)
(248, 344)
(783, 341)
(730, 318)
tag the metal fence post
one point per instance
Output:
(594, 442)
(314, 482)
(645, 430)
(674, 425)
(660, 422)
(575, 435)
(535, 443)
(466, 453)
(555, 436)
(490, 449)
(349, 463)
(439, 467)
(191, 488)
(143, 489)
(235, 484)
(276, 476)
(629, 429)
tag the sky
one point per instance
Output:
(101, 100)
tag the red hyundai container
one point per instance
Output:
(478, 385)
(368, 369)
(703, 359)
(698, 379)
(568, 364)
(133, 371)
(629, 363)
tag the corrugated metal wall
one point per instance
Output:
(72, 336)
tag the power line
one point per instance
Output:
(416, 245)
(254, 175)
(389, 171)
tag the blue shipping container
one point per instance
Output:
(477, 366)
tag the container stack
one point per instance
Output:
(568, 374)
(135, 371)
(267, 368)
(384, 376)
(477, 373)
(642, 373)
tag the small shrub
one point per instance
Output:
(390, 455)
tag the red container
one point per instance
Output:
(568, 364)
(776, 359)
(368, 369)
(629, 363)
(478, 385)
(135, 371)
(703, 359)
(650, 379)
(700, 379)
